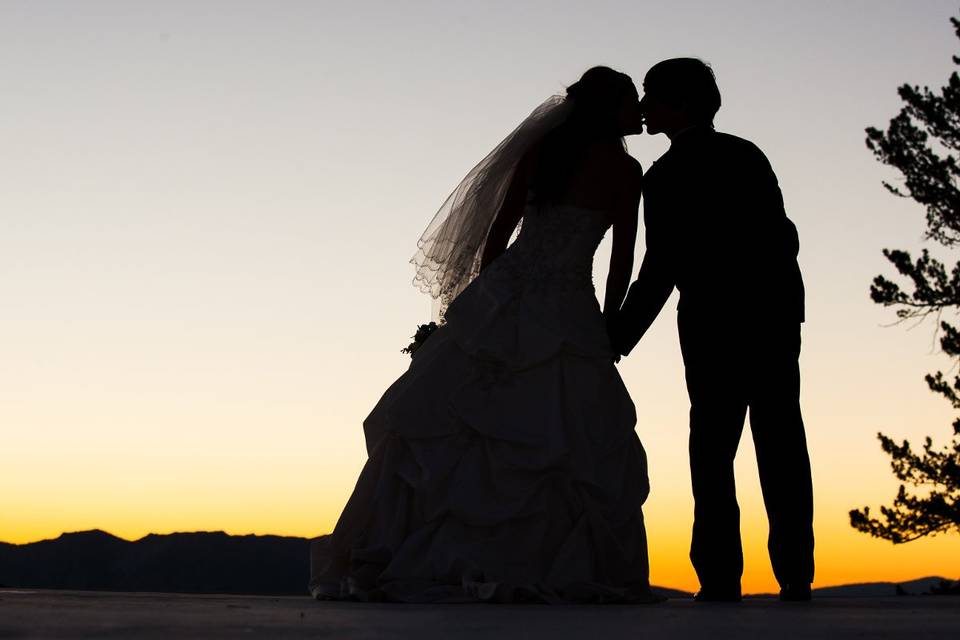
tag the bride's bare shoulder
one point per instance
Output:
(625, 170)
(614, 157)
(632, 170)
(635, 167)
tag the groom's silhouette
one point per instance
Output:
(717, 231)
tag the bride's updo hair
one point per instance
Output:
(596, 97)
(595, 100)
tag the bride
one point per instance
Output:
(503, 464)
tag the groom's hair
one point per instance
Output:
(687, 82)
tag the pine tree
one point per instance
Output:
(922, 143)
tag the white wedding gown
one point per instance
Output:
(503, 464)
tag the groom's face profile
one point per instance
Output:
(661, 116)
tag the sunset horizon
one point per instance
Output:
(750, 587)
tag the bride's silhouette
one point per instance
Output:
(503, 464)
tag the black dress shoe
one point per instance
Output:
(795, 593)
(717, 595)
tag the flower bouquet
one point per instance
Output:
(423, 332)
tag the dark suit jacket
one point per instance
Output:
(716, 230)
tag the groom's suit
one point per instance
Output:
(717, 231)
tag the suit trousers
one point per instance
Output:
(730, 370)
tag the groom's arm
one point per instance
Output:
(646, 298)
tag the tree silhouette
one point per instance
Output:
(922, 143)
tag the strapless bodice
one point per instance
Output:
(555, 248)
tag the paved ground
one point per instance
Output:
(79, 614)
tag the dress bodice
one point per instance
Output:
(537, 298)
(555, 247)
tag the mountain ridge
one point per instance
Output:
(218, 562)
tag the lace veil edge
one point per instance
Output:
(449, 250)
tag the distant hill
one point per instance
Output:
(202, 562)
(214, 562)
(920, 586)
(205, 562)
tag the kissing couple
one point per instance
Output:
(503, 464)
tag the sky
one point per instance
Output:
(208, 210)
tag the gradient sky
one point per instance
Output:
(208, 209)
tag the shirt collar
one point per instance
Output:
(690, 133)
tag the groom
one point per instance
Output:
(717, 231)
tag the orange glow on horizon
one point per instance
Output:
(843, 555)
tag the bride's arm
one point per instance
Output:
(624, 241)
(508, 217)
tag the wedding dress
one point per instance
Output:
(503, 464)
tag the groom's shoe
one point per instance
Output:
(712, 594)
(795, 592)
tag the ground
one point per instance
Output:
(88, 614)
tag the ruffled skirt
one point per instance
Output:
(503, 467)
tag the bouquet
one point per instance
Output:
(423, 332)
